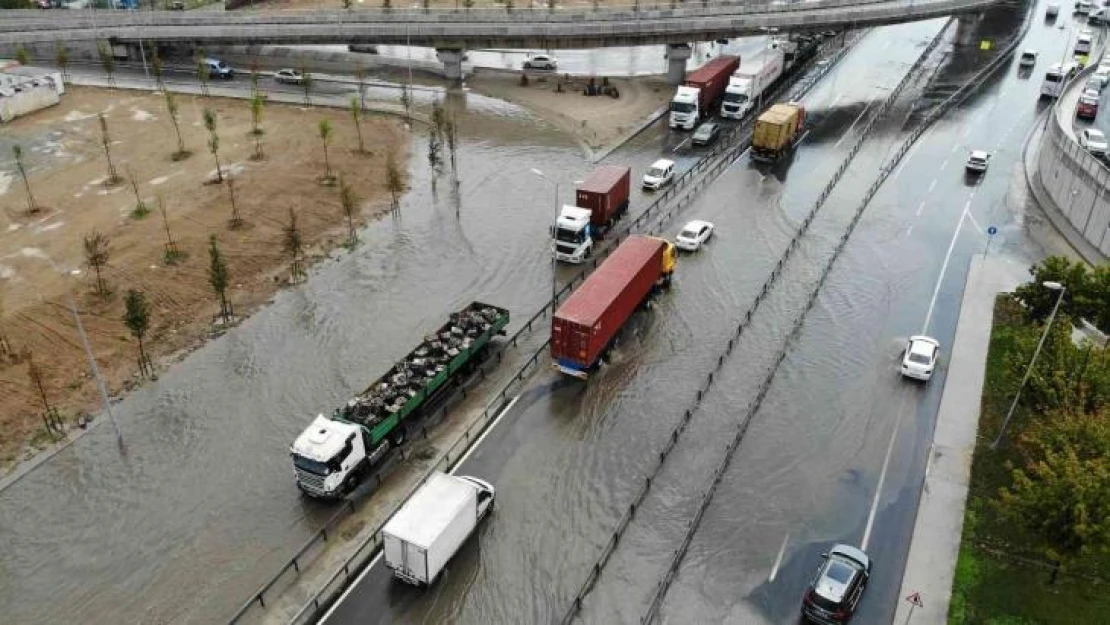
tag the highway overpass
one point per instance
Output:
(452, 31)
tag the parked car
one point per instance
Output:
(920, 358)
(1028, 58)
(290, 76)
(693, 235)
(659, 175)
(219, 69)
(541, 61)
(977, 162)
(834, 593)
(706, 133)
(1092, 140)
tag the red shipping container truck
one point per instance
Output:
(586, 324)
(605, 193)
(712, 79)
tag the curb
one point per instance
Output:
(647, 122)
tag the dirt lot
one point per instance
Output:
(67, 170)
(597, 121)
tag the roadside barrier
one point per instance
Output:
(626, 518)
(676, 197)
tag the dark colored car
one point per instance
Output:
(836, 589)
(706, 133)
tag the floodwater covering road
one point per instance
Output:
(568, 456)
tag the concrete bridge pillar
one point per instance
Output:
(452, 63)
(677, 55)
(966, 27)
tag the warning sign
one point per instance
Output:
(915, 599)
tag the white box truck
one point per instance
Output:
(428, 530)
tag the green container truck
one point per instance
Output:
(334, 453)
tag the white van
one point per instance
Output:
(1083, 44)
(1053, 82)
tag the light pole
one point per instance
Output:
(554, 280)
(1055, 286)
(88, 350)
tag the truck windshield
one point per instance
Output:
(734, 97)
(312, 466)
(569, 236)
(682, 107)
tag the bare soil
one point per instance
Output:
(67, 171)
(597, 121)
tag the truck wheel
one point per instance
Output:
(398, 437)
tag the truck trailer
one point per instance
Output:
(587, 323)
(333, 453)
(777, 131)
(422, 537)
(601, 200)
(698, 96)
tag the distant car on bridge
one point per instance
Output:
(541, 61)
(290, 76)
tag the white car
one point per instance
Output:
(1097, 16)
(659, 175)
(1096, 82)
(1028, 58)
(1083, 7)
(693, 235)
(290, 76)
(1093, 141)
(541, 61)
(920, 358)
(977, 162)
(1052, 10)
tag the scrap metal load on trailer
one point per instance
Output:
(585, 326)
(333, 453)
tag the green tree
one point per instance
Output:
(356, 115)
(106, 143)
(325, 129)
(141, 210)
(210, 121)
(136, 316)
(236, 220)
(219, 278)
(96, 257)
(257, 106)
(61, 59)
(293, 244)
(107, 61)
(22, 55)
(172, 254)
(1040, 299)
(172, 110)
(349, 201)
(50, 417)
(306, 84)
(204, 73)
(1062, 493)
(32, 205)
(157, 68)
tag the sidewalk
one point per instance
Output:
(931, 565)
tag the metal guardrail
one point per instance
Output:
(712, 163)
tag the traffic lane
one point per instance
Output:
(896, 517)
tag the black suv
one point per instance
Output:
(833, 595)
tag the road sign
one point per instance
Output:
(915, 599)
(985, 44)
(992, 230)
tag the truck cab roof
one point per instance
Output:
(573, 217)
(323, 439)
(686, 94)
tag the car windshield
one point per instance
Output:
(682, 107)
(688, 234)
(1052, 77)
(1095, 135)
(312, 466)
(655, 172)
(704, 131)
(920, 359)
(569, 236)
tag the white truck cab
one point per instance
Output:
(328, 457)
(684, 108)
(573, 236)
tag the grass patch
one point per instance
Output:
(1002, 577)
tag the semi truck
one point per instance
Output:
(601, 200)
(588, 322)
(335, 452)
(422, 537)
(749, 83)
(698, 96)
(777, 131)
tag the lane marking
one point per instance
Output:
(909, 232)
(681, 144)
(369, 567)
(882, 476)
(906, 159)
(944, 164)
(955, 146)
(932, 185)
(971, 217)
(836, 99)
(854, 122)
(944, 268)
(778, 559)
(920, 207)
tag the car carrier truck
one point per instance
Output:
(334, 452)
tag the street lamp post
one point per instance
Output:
(1055, 286)
(554, 280)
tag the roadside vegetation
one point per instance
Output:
(1036, 537)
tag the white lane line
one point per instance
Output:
(978, 228)
(944, 268)
(882, 477)
(836, 99)
(848, 130)
(681, 144)
(909, 231)
(778, 559)
(366, 571)
(906, 159)
(920, 207)
(944, 164)
(932, 185)
(955, 146)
